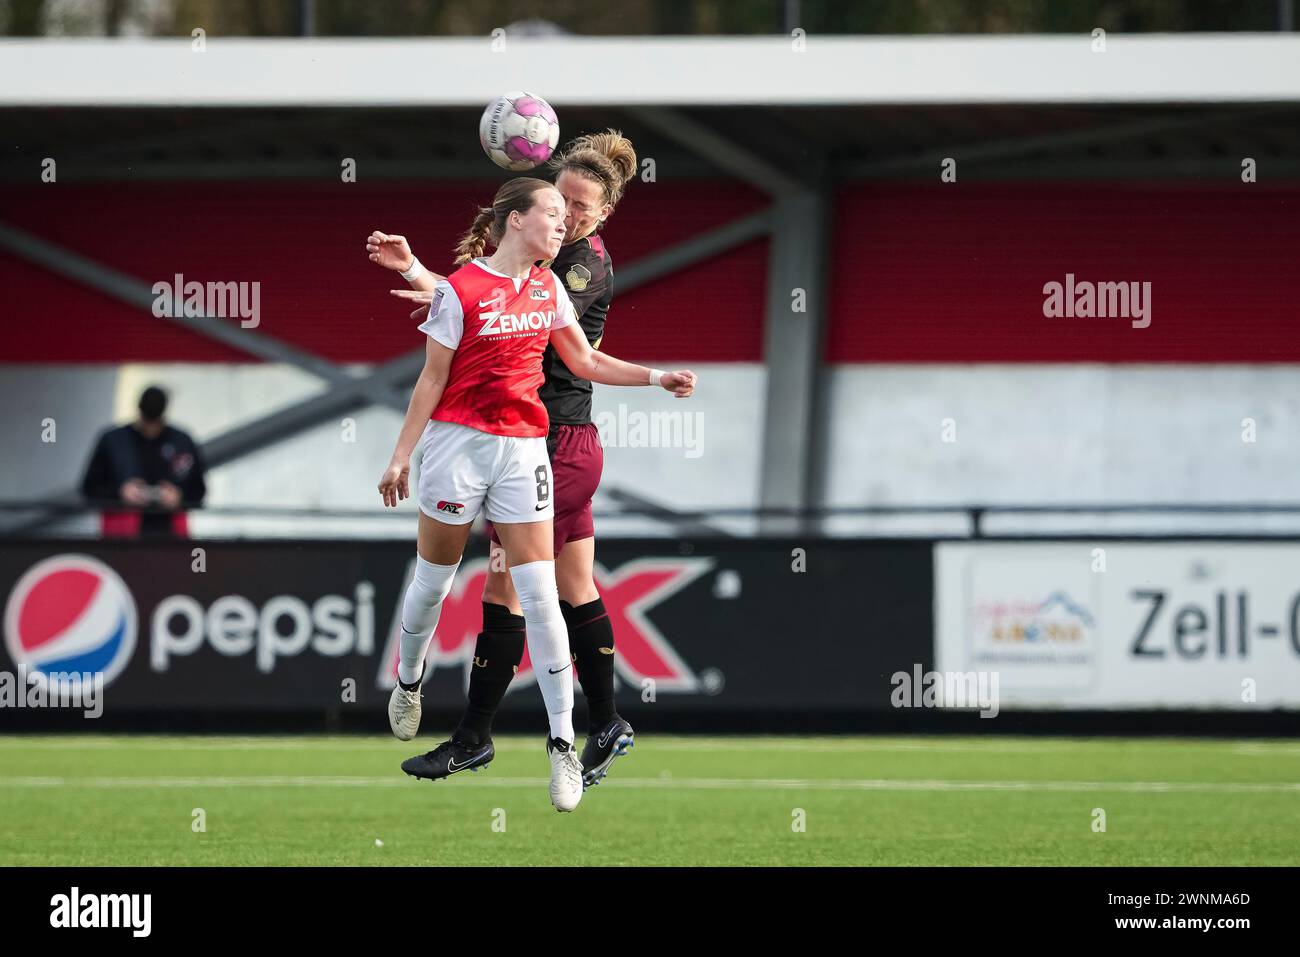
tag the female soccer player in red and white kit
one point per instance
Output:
(482, 429)
(591, 173)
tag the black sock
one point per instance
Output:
(591, 640)
(418, 681)
(497, 653)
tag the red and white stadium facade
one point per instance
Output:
(934, 313)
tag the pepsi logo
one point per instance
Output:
(71, 614)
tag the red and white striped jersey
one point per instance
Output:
(499, 327)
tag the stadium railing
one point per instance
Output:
(35, 518)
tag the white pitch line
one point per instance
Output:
(697, 784)
(264, 781)
(705, 746)
(1268, 751)
(137, 744)
(1055, 746)
(842, 747)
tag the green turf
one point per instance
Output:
(128, 800)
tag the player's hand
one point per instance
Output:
(169, 496)
(394, 486)
(391, 252)
(134, 492)
(414, 295)
(681, 384)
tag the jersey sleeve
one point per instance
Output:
(446, 321)
(585, 278)
(565, 314)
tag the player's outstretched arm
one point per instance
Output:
(586, 363)
(394, 485)
(394, 252)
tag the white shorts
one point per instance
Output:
(464, 471)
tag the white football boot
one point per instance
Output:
(404, 711)
(566, 774)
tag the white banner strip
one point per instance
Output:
(632, 71)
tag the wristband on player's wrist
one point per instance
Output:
(414, 272)
(656, 375)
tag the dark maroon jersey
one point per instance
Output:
(587, 274)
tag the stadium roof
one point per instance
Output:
(668, 71)
(1078, 141)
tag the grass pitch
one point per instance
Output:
(135, 800)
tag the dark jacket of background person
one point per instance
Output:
(125, 453)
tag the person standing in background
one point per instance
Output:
(152, 468)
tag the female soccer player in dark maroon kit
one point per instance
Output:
(591, 173)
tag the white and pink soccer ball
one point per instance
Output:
(519, 131)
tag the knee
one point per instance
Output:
(575, 573)
(535, 584)
(577, 590)
(432, 581)
(498, 591)
(430, 586)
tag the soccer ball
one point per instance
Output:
(519, 130)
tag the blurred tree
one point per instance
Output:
(639, 17)
(1037, 16)
(114, 11)
(26, 18)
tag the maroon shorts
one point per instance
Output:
(577, 460)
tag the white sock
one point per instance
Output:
(548, 642)
(420, 610)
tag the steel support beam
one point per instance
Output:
(793, 452)
(697, 249)
(134, 292)
(792, 344)
(717, 149)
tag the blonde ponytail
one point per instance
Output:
(608, 158)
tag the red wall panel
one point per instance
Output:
(305, 244)
(955, 272)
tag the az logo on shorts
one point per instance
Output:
(451, 508)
